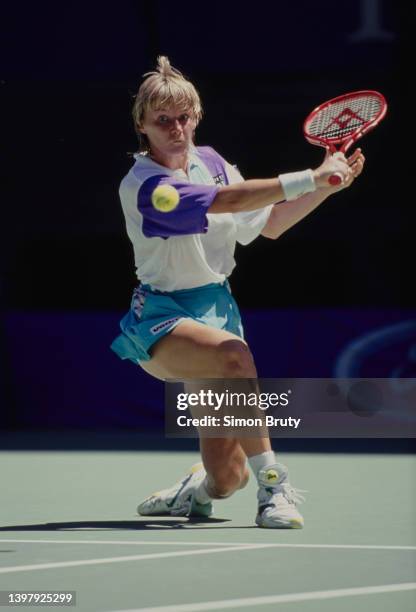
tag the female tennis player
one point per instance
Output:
(183, 322)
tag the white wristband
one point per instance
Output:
(296, 184)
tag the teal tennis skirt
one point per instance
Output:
(153, 314)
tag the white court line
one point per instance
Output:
(225, 544)
(182, 553)
(274, 599)
(223, 548)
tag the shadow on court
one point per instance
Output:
(137, 525)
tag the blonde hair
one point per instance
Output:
(161, 88)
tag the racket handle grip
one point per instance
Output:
(335, 179)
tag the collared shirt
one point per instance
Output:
(186, 247)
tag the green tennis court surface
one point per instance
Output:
(68, 523)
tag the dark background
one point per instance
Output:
(67, 88)
(68, 76)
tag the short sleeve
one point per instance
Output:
(190, 215)
(249, 224)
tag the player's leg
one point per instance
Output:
(225, 463)
(194, 350)
(197, 351)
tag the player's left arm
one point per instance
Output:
(286, 214)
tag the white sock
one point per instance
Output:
(201, 494)
(261, 461)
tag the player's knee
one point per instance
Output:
(235, 360)
(226, 480)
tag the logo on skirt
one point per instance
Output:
(156, 329)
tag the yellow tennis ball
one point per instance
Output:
(165, 198)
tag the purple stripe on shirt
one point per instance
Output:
(189, 217)
(215, 164)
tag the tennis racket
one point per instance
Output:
(338, 123)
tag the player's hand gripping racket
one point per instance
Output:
(338, 123)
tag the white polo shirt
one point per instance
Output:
(186, 247)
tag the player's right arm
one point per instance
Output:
(259, 193)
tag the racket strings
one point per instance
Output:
(342, 118)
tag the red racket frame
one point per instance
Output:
(349, 139)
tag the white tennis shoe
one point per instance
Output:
(277, 500)
(178, 500)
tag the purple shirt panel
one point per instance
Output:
(215, 164)
(189, 217)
